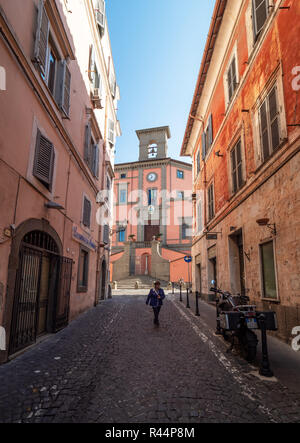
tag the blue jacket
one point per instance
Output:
(154, 300)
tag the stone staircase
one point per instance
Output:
(145, 282)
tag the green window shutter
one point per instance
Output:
(42, 37)
(44, 160)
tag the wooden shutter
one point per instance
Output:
(203, 146)
(64, 87)
(239, 165)
(100, 16)
(198, 162)
(260, 14)
(229, 82)
(44, 160)
(210, 130)
(233, 170)
(87, 143)
(91, 63)
(96, 161)
(274, 121)
(86, 213)
(264, 130)
(42, 37)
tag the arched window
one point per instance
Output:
(152, 150)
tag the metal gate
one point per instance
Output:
(26, 308)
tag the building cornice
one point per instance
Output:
(151, 164)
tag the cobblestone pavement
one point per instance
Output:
(112, 365)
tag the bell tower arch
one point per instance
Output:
(153, 143)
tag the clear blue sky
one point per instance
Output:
(157, 48)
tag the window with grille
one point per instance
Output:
(87, 208)
(44, 161)
(211, 202)
(236, 167)
(269, 124)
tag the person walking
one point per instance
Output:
(155, 298)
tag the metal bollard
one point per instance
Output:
(173, 288)
(218, 329)
(265, 369)
(197, 304)
(180, 289)
(187, 299)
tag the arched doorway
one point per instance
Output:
(146, 264)
(41, 292)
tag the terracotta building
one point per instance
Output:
(243, 137)
(58, 127)
(152, 195)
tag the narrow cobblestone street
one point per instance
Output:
(112, 365)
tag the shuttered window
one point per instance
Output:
(44, 160)
(111, 131)
(231, 78)
(260, 15)
(211, 203)
(236, 167)
(198, 163)
(87, 207)
(42, 37)
(91, 152)
(100, 15)
(64, 87)
(83, 270)
(269, 124)
(268, 270)
(199, 217)
(207, 137)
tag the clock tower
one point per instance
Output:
(154, 143)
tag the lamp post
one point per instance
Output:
(265, 369)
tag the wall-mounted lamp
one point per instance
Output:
(217, 154)
(265, 222)
(53, 205)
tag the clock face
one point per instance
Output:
(152, 177)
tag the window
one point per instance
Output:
(106, 234)
(100, 15)
(122, 236)
(87, 208)
(111, 131)
(54, 71)
(268, 270)
(180, 195)
(207, 138)
(123, 175)
(199, 217)
(211, 204)
(260, 15)
(198, 164)
(122, 196)
(153, 151)
(185, 230)
(83, 270)
(91, 152)
(44, 161)
(236, 167)
(180, 174)
(113, 84)
(269, 124)
(152, 196)
(232, 78)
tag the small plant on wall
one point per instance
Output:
(159, 236)
(132, 237)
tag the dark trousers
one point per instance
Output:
(156, 313)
